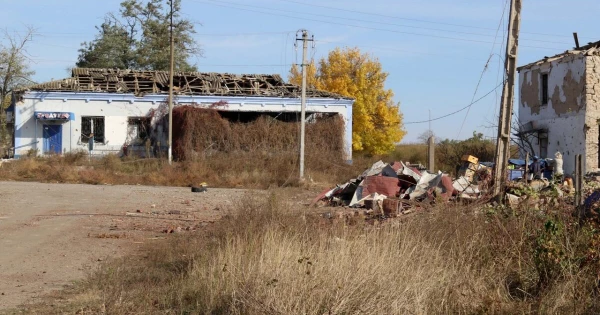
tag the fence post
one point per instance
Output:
(578, 180)
(526, 175)
(431, 154)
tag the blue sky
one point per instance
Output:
(435, 51)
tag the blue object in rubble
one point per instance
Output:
(517, 162)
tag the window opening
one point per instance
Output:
(93, 125)
(545, 89)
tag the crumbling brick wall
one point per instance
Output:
(592, 119)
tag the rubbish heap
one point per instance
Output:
(395, 188)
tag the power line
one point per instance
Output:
(356, 26)
(411, 19)
(457, 111)
(379, 22)
(484, 67)
(70, 35)
(403, 50)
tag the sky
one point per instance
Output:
(441, 55)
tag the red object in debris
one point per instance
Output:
(319, 197)
(396, 166)
(447, 187)
(382, 185)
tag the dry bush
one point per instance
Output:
(267, 257)
(413, 153)
(201, 131)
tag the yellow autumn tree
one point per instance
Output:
(311, 76)
(376, 119)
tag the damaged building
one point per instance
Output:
(559, 106)
(119, 107)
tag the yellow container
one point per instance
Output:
(470, 159)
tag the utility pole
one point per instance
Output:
(305, 41)
(171, 66)
(506, 107)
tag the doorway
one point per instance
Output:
(52, 139)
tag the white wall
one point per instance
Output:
(564, 116)
(116, 108)
(29, 134)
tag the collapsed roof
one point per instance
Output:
(141, 82)
(588, 50)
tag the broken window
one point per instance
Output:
(93, 125)
(544, 89)
(138, 129)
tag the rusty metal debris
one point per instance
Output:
(185, 83)
(394, 189)
(389, 189)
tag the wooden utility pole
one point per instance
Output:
(305, 41)
(171, 67)
(506, 107)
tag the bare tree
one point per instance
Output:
(424, 137)
(14, 71)
(521, 138)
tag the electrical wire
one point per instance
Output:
(377, 22)
(359, 26)
(411, 19)
(457, 111)
(404, 51)
(60, 34)
(485, 67)
(499, 72)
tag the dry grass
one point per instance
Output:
(255, 169)
(268, 258)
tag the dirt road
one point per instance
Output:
(52, 234)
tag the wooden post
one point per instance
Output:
(578, 180)
(431, 154)
(526, 175)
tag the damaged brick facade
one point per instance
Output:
(559, 107)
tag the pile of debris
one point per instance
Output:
(396, 188)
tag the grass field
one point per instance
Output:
(269, 257)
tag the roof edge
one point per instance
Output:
(590, 49)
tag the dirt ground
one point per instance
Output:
(53, 234)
